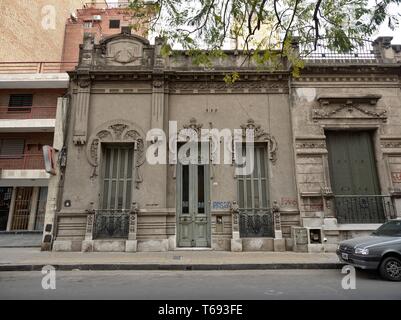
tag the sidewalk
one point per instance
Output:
(29, 259)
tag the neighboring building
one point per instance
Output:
(100, 20)
(324, 142)
(33, 30)
(31, 95)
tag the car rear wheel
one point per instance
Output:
(390, 269)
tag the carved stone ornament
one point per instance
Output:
(117, 131)
(192, 125)
(124, 50)
(348, 111)
(261, 136)
(84, 82)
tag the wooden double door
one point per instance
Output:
(353, 176)
(193, 207)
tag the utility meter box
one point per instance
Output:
(300, 237)
(307, 239)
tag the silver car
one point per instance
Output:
(380, 251)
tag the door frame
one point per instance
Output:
(179, 168)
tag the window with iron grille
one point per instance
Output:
(114, 24)
(12, 148)
(255, 213)
(20, 102)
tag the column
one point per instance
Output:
(158, 115)
(34, 209)
(54, 181)
(11, 211)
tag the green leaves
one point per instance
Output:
(263, 29)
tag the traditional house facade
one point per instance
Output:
(307, 132)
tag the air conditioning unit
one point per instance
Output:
(97, 18)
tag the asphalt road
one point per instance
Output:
(189, 285)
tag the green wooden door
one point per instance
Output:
(353, 176)
(193, 209)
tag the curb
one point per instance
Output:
(172, 267)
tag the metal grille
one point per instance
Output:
(363, 51)
(111, 224)
(41, 209)
(22, 209)
(364, 209)
(256, 223)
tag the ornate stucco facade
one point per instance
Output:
(123, 88)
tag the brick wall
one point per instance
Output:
(44, 103)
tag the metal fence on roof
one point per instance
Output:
(363, 51)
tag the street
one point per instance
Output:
(189, 285)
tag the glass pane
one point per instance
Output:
(241, 193)
(255, 172)
(263, 173)
(130, 162)
(115, 163)
(185, 189)
(128, 201)
(201, 189)
(264, 193)
(107, 167)
(256, 193)
(123, 164)
(105, 194)
(248, 193)
(121, 195)
(113, 196)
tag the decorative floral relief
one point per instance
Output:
(118, 132)
(327, 114)
(260, 135)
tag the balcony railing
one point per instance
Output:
(36, 67)
(22, 162)
(364, 208)
(254, 223)
(106, 4)
(111, 224)
(363, 51)
(28, 112)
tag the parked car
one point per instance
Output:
(380, 251)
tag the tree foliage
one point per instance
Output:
(264, 29)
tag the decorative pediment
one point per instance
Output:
(124, 49)
(370, 99)
(349, 107)
(116, 132)
(261, 136)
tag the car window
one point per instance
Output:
(389, 229)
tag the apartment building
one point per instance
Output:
(33, 91)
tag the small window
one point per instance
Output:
(88, 24)
(20, 102)
(12, 148)
(114, 24)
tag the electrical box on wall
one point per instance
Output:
(307, 239)
(300, 237)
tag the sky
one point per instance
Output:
(384, 30)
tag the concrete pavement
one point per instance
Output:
(26, 259)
